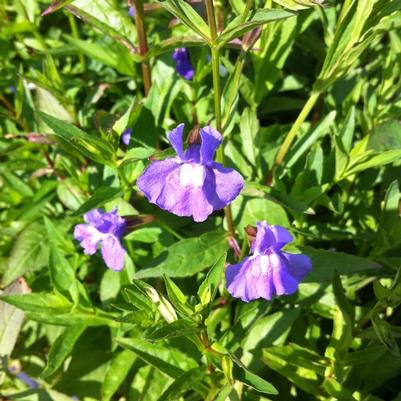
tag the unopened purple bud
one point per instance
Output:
(12, 89)
(126, 136)
(183, 63)
(131, 11)
(27, 380)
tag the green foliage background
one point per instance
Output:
(311, 118)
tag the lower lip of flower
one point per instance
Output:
(192, 175)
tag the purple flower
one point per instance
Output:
(183, 63)
(126, 136)
(131, 11)
(191, 184)
(269, 271)
(105, 229)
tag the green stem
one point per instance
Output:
(217, 98)
(295, 128)
(248, 7)
(143, 44)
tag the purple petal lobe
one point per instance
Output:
(106, 229)
(298, 265)
(153, 179)
(113, 253)
(88, 236)
(270, 237)
(229, 184)
(175, 138)
(247, 282)
(211, 139)
(126, 136)
(186, 192)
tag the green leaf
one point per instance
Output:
(237, 28)
(185, 382)
(297, 364)
(263, 191)
(188, 16)
(101, 196)
(56, 6)
(119, 58)
(385, 136)
(208, 289)
(306, 141)
(11, 318)
(168, 360)
(326, 263)
(388, 233)
(62, 348)
(116, 373)
(38, 302)
(105, 16)
(88, 145)
(147, 235)
(178, 328)
(63, 275)
(373, 160)
(244, 375)
(384, 334)
(249, 128)
(173, 43)
(177, 297)
(30, 252)
(187, 256)
(110, 285)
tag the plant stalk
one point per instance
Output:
(217, 99)
(248, 7)
(295, 128)
(143, 44)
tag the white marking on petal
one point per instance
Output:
(192, 175)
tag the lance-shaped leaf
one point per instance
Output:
(188, 16)
(237, 28)
(11, 318)
(73, 137)
(61, 348)
(187, 256)
(56, 5)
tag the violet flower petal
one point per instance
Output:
(113, 253)
(187, 192)
(88, 237)
(297, 264)
(270, 237)
(211, 139)
(126, 136)
(175, 138)
(229, 184)
(153, 179)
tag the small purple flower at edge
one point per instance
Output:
(126, 136)
(183, 63)
(131, 11)
(191, 184)
(105, 229)
(268, 271)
